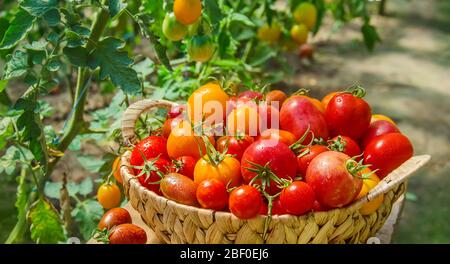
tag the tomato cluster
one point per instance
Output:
(317, 155)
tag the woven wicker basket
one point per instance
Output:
(177, 223)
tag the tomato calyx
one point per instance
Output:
(213, 156)
(298, 147)
(338, 144)
(356, 90)
(147, 168)
(102, 235)
(302, 91)
(356, 167)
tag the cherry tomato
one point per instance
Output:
(245, 202)
(368, 184)
(108, 195)
(263, 209)
(277, 207)
(306, 155)
(306, 51)
(114, 217)
(386, 152)
(298, 198)
(270, 34)
(336, 181)
(236, 145)
(201, 48)
(184, 165)
(187, 11)
(299, 33)
(127, 234)
(168, 125)
(276, 96)
(150, 147)
(275, 154)
(378, 128)
(116, 170)
(376, 117)
(326, 99)
(348, 115)
(250, 95)
(212, 194)
(210, 92)
(227, 170)
(298, 114)
(344, 144)
(278, 135)
(179, 188)
(155, 169)
(172, 29)
(306, 13)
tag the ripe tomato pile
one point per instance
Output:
(318, 155)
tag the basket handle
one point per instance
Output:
(394, 178)
(133, 112)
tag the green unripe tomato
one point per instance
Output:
(201, 48)
(172, 29)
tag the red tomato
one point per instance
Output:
(334, 182)
(150, 147)
(184, 165)
(175, 111)
(277, 208)
(307, 155)
(155, 169)
(127, 234)
(268, 117)
(298, 198)
(212, 194)
(348, 115)
(279, 135)
(344, 144)
(378, 128)
(236, 144)
(317, 207)
(278, 157)
(251, 95)
(263, 209)
(298, 114)
(114, 217)
(179, 188)
(386, 152)
(245, 202)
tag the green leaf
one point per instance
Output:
(116, 64)
(26, 122)
(115, 7)
(370, 35)
(144, 68)
(90, 163)
(86, 186)
(236, 17)
(87, 214)
(77, 56)
(3, 84)
(224, 41)
(46, 226)
(52, 17)
(52, 189)
(17, 65)
(53, 65)
(213, 11)
(6, 130)
(19, 27)
(38, 8)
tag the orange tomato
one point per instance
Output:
(108, 195)
(368, 184)
(183, 142)
(279, 135)
(210, 92)
(326, 99)
(376, 117)
(116, 170)
(187, 11)
(228, 171)
(276, 96)
(243, 120)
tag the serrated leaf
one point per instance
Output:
(19, 27)
(115, 7)
(213, 11)
(17, 65)
(38, 7)
(46, 226)
(87, 214)
(86, 186)
(115, 64)
(52, 189)
(52, 17)
(78, 56)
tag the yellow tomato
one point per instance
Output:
(306, 13)
(210, 92)
(369, 184)
(376, 117)
(187, 11)
(299, 33)
(228, 171)
(243, 120)
(108, 195)
(270, 33)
